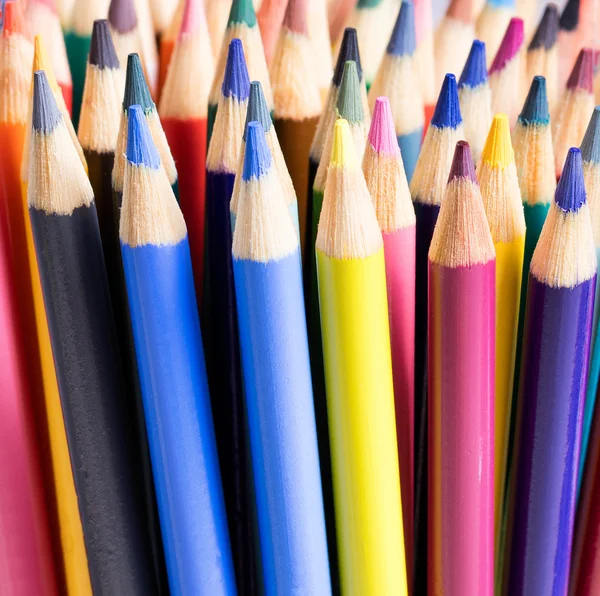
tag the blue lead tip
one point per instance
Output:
(45, 115)
(257, 111)
(140, 146)
(590, 146)
(403, 40)
(235, 81)
(475, 71)
(257, 159)
(570, 192)
(535, 108)
(447, 108)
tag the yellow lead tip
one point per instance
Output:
(498, 151)
(41, 61)
(342, 149)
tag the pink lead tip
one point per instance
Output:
(462, 163)
(382, 134)
(193, 17)
(510, 46)
(582, 75)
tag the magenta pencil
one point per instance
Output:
(462, 289)
(386, 181)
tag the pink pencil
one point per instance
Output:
(462, 289)
(386, 180)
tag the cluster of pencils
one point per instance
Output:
(287, 307)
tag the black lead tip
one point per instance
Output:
(136, 88)
(45, 115)
(348, 51)
(102, 49)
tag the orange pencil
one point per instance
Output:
(167, 44)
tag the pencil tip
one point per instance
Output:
(570, 191)
(403, 39)
(140, 146)
(242, 11)
(122, 16)
(535, 108)
(348, 51)
(343, 152)
(41, 61)
(382, 134)
(547, 32)
(590, 146)
(193, 17)
(475, 70)
(257, 111)
(257, 159)
(295, 18)
(498, 151)
(102, 49)
(349, 103)
(45, 115)
(569, 19)
(14, 18)
(462, 163)
(235, 80)
(582, 75)
(136, 88)
(510, 45)
(447, 108)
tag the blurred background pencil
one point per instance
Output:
(398, 79)
(162, 15)
(569, 41)
(427, 189)
(558, 320)
(270, 18)
(167, 44)
(424, 56)
(148, 42)
(387, 184)
(217, 13)
(492, 23)
(360, 398)
(462, 295)
(475, 98)
(318, 31)
(338, 13)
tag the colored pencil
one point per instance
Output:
(507, 72)
(558, 320)
(77, 42)
(497, 174)
(569, 42)
(217, 14)
(590, 154)
(167, 44)
(427, 189)
(338, 14)
(398, 79)
(387, 184)
(270, 18)
(297, 101)
(148, 41)
(162, 14)
(453, 38)
(137, 93)
(358, 376)
(268, 282)
(157, 264)
(492, 23)
(86, 355)
(424, 56)
(573, 111)
(542, 54)
(462, 296)
(475, 99)
(318, 31)
(42, 18)
(219, 311)
(242, 24)
(183, 109)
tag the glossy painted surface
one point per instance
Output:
(410, 146)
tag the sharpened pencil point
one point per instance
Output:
(535, 108)
(498, 151)
(447, 108)
(136, 88)
(382, 134)
(257, 159)
(569, 18)
(547, 32)
(590, 146)
(510, 45)
(41, 61)
(14, 18)
(570, 192)
(242, 11)
(295, 18)
(348, 51)
(343, 152)
(349, 103)
(235, 80)
(475, 70)
(403, 39)
(462, 163)
(140, 146)
(582, 75)
(102, 49)
(45, 115)
(257, 111)
(122, 16)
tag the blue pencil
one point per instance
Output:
(398, 79)
(268, 282)
(590, 154)
(166, 329)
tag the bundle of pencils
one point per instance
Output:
(358, 376)
(268, 282)
(558, 320)
(157, 264)
(462, 298)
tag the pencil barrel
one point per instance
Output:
(410, 147)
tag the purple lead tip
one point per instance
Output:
(582, 75)
(462, 163)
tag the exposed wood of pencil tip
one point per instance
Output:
(590, 153)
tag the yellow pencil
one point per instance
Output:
(358, 378)
(497, 175)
